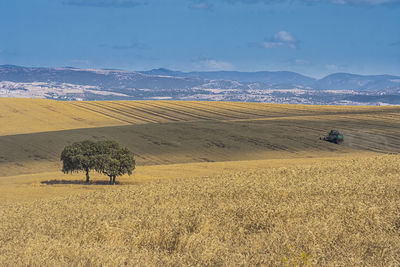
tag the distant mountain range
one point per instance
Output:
(277, 79)
(94, 84)
(287, 79)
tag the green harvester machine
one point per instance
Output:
(334, 137)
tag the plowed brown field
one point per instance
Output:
(34, 132)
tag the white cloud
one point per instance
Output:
(332, 67)
(284, 36)
(282, 39)
(213, 64)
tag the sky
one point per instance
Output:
(311, 37)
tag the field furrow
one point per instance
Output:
(167, 132)
(118, 113)
(96, 109)
(149, 112)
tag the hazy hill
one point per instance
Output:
(114, 80)
(279, 79)
(273, 78)
(168, 79)
(274, 87)
(345, 81)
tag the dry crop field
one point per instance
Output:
(216, 183)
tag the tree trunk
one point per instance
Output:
(110, 179)
(87, 176)
(114, 179)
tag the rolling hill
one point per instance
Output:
(345, 81)
(216, 183)
(170, 132)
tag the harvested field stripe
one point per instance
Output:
(237, 113)
(147, 111)
(118, 113)
(190, 110)
(204, 110)
(86, 107)
(242, 110)
(170, 105)
(157, 118)
(266, 109)
(215, 109)
(128, 113)
(186, 116)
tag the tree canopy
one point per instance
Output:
(80, 156)
(106, 157)
(114, 160)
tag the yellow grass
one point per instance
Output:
(217, 183)
(28, 187)
(329, 213)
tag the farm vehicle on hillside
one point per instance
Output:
(334, 137)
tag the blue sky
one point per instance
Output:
(312, 37)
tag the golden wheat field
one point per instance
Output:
(216, 183)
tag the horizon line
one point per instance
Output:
(192, 71)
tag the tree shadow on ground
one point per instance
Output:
(79, 182)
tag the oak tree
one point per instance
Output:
(113, 160)
(80, 156)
